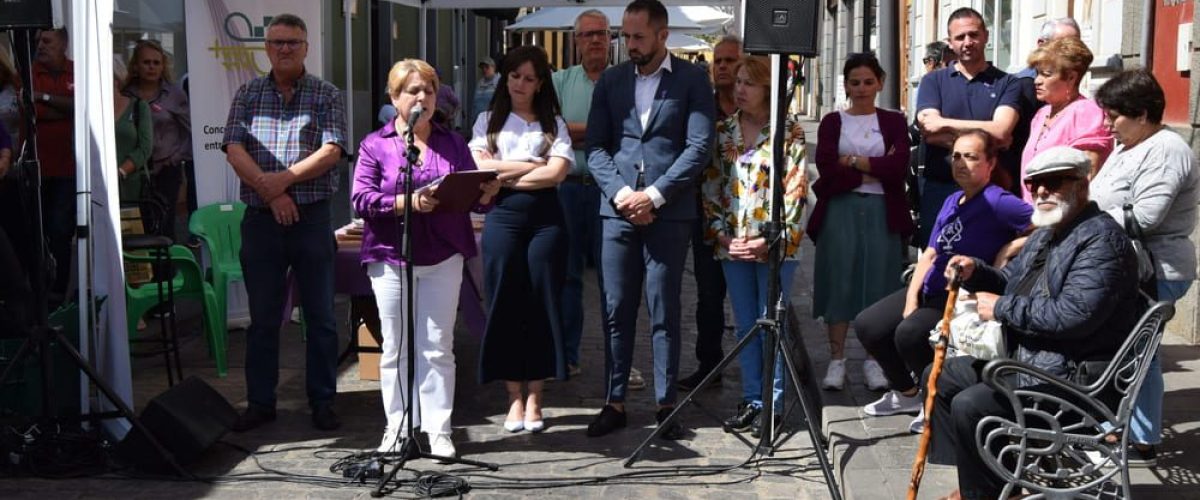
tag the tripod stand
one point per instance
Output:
(40, 338)
(406, 447)
(772, 328)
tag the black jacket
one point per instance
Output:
(1086, 302)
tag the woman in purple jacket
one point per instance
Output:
(861, 215)
(440, 244)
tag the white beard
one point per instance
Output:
(1047, 218)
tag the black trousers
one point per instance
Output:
(962, 401)
(899, 344)
(710, 300)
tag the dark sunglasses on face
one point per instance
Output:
(1051, 182)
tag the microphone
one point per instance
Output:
(414, 115)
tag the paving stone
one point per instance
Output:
(872, 457)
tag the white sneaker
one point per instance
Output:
(442, 446)
(894, 402)
(917, 426)
(873, 373)
(636, 382)
(835, 375)
(390, 440)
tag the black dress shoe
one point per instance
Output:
(673, 431)
(692, 381)
(325, 419)
(609, 419)
(253, 417)
(756, 430)
(743, 420)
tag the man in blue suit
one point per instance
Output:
(648, 136)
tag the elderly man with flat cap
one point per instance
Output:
(1068, 299)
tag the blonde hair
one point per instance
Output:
(120, 72)
(403, 69)
(1067, 54)
(759, 70)
(152, 45)
(8, 74)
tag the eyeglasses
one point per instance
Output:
(592, 34)
(1051, 183)
(285, 44)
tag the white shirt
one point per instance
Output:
(520, 140)
(644, 88)
(861, 136)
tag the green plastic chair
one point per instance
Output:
(219, 226)
(188, 283)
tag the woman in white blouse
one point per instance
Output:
(524, 242)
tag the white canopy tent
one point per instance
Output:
(690, 18)
(680, 41)
(511, 4)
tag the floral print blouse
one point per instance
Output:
(736, 188)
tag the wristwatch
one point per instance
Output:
(45, 97)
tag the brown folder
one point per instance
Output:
(457, 192)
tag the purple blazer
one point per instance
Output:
(378, 177)
(890, 169)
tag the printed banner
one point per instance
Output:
(225, 49)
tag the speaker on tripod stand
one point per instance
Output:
(779, 28)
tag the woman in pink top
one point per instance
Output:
(1068, 118)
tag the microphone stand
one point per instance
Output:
(407, 448)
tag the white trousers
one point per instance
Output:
(435, 308)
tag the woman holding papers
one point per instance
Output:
(440, 244)
(523, 137)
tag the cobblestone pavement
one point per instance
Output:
(291, 446)
(872, 455)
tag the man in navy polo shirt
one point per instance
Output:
(969, 93)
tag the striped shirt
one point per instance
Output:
(278, 134)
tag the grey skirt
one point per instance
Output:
(858, 261)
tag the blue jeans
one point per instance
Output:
(747, 283)
(268, 251)
(1146, 424)
(581, 211)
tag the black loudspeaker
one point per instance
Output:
(186, 419)
(17, 14)
(781, 26)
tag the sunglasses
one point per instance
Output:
(1051, 183)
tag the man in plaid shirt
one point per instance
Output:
(286, 131)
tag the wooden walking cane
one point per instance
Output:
(939, 357)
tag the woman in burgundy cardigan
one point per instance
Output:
(861, 215)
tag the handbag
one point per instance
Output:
(1147, 271)
(972, 336)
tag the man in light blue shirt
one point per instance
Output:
(578, 193)
(485, 88)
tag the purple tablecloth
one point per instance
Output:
(350, 278)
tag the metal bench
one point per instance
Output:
(1069, 444)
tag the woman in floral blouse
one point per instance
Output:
(737, 196)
